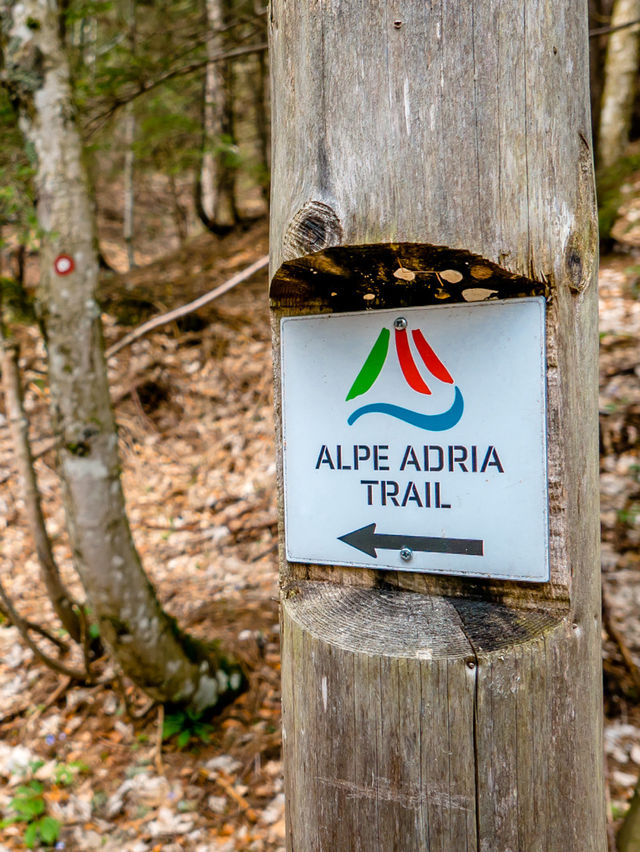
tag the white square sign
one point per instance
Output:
(415, 439)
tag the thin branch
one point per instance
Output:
(19, 431)
(97, 120)
(157, 757)
(606, 30)
(182, 311)
(21, 624)
(40, 630)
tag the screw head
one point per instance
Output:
(399, 323)
(406, 553)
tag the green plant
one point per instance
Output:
(186, 725)
(29, 807)
(66, 773)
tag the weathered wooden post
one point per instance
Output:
(433, 285)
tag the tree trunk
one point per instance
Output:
(129, 189)
(620, 83)
(261, 100)
(19, 428)
(129, 139)
(216, 195)
(146, 642)
(430, 712)
(628, 839)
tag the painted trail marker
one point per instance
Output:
(415, 439)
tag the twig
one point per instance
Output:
(182, 311)
(40, 630)
(606, 30)
(62, 687)
(95, 122)
(616, 636)
(157, 757)
(228, 787)
(74, 674)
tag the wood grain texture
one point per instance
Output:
(420, 712)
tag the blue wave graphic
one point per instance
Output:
(430, 422)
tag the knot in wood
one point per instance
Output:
(575, 269)
(313, 228)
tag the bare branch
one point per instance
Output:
(182, 311)
(97, 120)
(19, 430)
(22, 626)
(606, 30)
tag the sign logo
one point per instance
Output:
(372, 368)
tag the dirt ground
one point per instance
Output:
(193, 403)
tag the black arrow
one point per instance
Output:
(367, 540)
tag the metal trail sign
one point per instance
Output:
(415, 439)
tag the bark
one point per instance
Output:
(261, 100)
(129, 138)
(146, 642)
(620, 82)
(628, 839)
(129, 191)
(216, 190)
(19, 428)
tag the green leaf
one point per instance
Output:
(183, 738)
(29, 807)
(49, 829)
(172, 725)
(31, 835)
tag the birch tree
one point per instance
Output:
(146, 642)
(216, 191)
(620, 81)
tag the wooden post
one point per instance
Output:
(435, 712)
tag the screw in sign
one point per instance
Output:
(63, 264)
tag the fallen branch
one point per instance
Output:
(189, 308)
(616, 636)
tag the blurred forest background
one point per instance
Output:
(169, 104)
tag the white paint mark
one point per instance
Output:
(407, 107)
(424, 654)
(324, 693)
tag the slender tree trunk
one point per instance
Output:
(129, 138)
(216, 196)
(628, 839)
(620, 83)
(19, 429)
(262, 122)
(146, 642)
(129, 191)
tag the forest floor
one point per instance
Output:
(193, 404)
